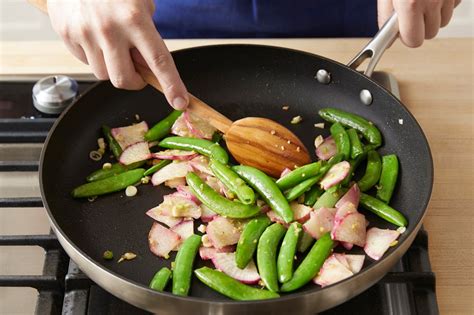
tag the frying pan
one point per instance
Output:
(239, 81)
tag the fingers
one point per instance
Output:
(432, 22)
(121, 70)
(384, 11)
(150, 45)
(447, 12)
(77, 51)
(411, 22)
(95, 59)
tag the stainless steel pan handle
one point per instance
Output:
(376, 47)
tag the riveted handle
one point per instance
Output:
(377, 46)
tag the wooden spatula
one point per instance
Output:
(254, 141)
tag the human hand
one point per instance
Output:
(109, 35)
(418, 19)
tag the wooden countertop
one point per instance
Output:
(436, 84)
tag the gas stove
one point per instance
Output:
(61, 288)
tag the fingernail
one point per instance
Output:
(179, 103)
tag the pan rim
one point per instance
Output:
(283, 298)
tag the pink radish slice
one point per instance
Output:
(175, 205)
(162, 240)
(331, 272)
(175, 182)
(276, 218)
(355, 262)
(184, 229)
(222, 232)
(344, 210)
(350, 229)
(156, 215)
(285, 172)
(265, 209)
(185, 191)
(327, 149)
(347, 246)
(225, 262)
(175, 155)
(135, 153)
(320, 222)
(201, 165)
(126, 136)
(198, 127)
(379, 241)
(342, 259)
(208, 252)
(335, 175)
(352, 196)
(207, 215)
(180, 128)
(171, 171)
(300, 212)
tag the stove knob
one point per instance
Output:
(51, 95)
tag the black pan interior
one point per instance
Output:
(239, 81)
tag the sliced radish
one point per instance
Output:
(222, 232)
(350, 229)
(327, 149)
(355, 262)
(274, 217)
(155, 214)
(126, 136)
(320, 222)
(162, 240)
(335, 175)
(379, 241)
(352, 196)
(200, 164)
(175, 205)
(184, 229)
(347, 245)
(180, 128)
(342, 259)
(285, 172)
(135, 153)
(175, 182)
(300, 212)
(331, 272)
(175, 155)
(198, 127)
(171, 171)
(225, 262)
(185, 191)
(344, 210)
(207, 215)
(207, 253)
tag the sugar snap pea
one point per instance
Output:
(356, 145)
(115, 169)
(268, 189)
(163, 127)
(298, 175)
(160, 279)
(233, 182)
(230, 287)
(342, 140)
(311, 264)
(218, 203)
(183, 267)
(382, 210)
(113, 144)
(267, 255)
(305, 242)
(366, 128)
(205, 147)
(372, 172)
(388, 177)
(328, 199)
(354, 165)
(248, 240)
(312, 196)
(155, 168)
(286, 255)
(109, 184)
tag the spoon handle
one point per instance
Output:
(196, 106)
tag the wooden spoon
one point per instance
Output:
(254, 141)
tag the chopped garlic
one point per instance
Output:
(286, 107)
(260, 203)
(393, 243)
(137, 117)
(101, 143)
(296, 120)
(131, 191)
(272, 132)
(401, 229)
(145, 180)
(95, 155)
(202, 228)
(319, 125)
(205, 241)
(107, 166)
(400, 121)
(127, 256)
(318, 141)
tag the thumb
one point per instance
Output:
(384, 11)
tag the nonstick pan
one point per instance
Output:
(239, 81)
